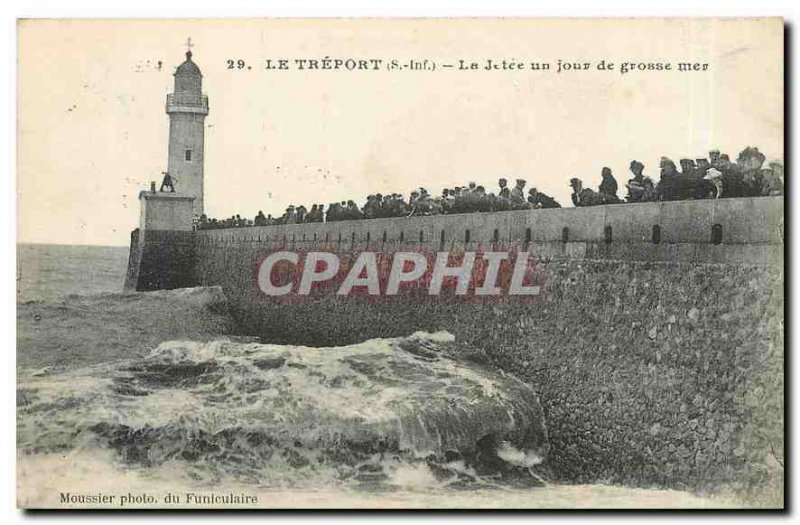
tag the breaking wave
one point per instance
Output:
(394, 412)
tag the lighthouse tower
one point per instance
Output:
(187, 108)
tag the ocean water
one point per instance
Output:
(145, 394)
(50, 271)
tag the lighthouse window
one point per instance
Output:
(187, 155)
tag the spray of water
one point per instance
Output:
(386, 412)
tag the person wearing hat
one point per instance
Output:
(582, 196)
(713, 157)
(687, 165)
(777, 167)
(577, 187)
(371, 208)
(504, 191)
(397, 206)
(334, 212)
(732, 178)
(772, 177)
(714, 176)
(636, 184)
(311, 216)
(456, 200)
(608, 187)
(670, 180)
(650, 190)
(302, 211)
(387, 207)
(538, 200)
(290, 217)
(351, 211)
(518, 201)
(481, 199)
(750, 158)
(470, 198)
(689, 179)
(448, 199)
(501, 201)
(436, 205)
(750, 161)
(702, 166)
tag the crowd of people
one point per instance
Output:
(461, 199)
(713, 177)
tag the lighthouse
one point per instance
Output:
(187, 108)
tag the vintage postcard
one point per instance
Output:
(400, 263)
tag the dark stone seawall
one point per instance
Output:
(648, 373)
(658, 358)
(161, 260)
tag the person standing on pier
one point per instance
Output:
(167, 182)
(518, 201)
(504, 191)
(608, 186)
(636, 184)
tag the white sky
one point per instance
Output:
(93, 132)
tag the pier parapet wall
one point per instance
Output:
(728, 232)
(732, 231)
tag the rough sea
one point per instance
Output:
(141, 395)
